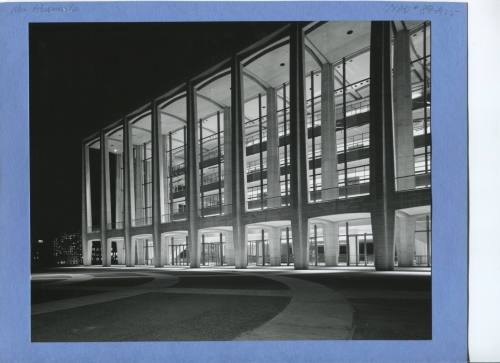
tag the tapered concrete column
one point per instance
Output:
(331, 240)
(127, 195)
(329, 177)
(119, 191)
(105, 253)
(229, 248)
(120, 252)
(192, 178)
(86, 207)
(165, 251)
(139, 245)
(273, 155)
(381, 146)
(138, 184)
(274, 238)
(166, 217)
(157, 183)
(405, 239)
(107, 175)
(298, 138)
(403, 119)
(237, 166)
(228, 160)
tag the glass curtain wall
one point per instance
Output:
(115, 199)
(94, 177)
(267, 126)
(412, 122)
(356, 243)
(141, 178)
(423, 241)
(337, 89)
(172, 115)
(213, 107)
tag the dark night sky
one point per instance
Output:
(85, 76)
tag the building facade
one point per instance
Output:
(311, 147)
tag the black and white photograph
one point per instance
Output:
(221, 181)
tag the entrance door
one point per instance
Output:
(96, 253)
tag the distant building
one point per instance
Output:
(67, 249)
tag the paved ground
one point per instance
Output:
(142, 304)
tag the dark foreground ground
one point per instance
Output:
(134, 304)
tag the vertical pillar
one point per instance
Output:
(405, 237)
(105, 253)
(329, 177)
(381, 146)
(273, 155)
(274, 238)
(228, 170)
(229, 248)
(192, 176)
(164, 251)
(140, 251)
(331, 240)
(120, 252)
(165, 177)
(403, 119)
(127, 208)
(298, 153)
(139, 185)
(107, 175)
(156, 163)
(86, 207)
(119, 191)
(237, 162)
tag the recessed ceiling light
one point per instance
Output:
(282, 64)
(349, 32)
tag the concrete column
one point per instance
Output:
(86, 208)
(139, 245)
(273, 155)
(331, 239)
(192, 176)
(381, 146)
(229, 248)
(119, 192)
(353, 257)
(228, 160)
(157, 183)
(329, 177)
(237, 166)
(105, 253)
(403, 118)
(166, 187)
(139, 182)
(127, 195)
(107, 175)
(165, 252)
(120, 252)
(274, 238)
(405, 238)
(298, 152)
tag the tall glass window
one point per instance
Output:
(337, 90)
(114, 141)
(267, 126)
(173, 158)
(141, 178)
(94, 189)
(213, 107)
